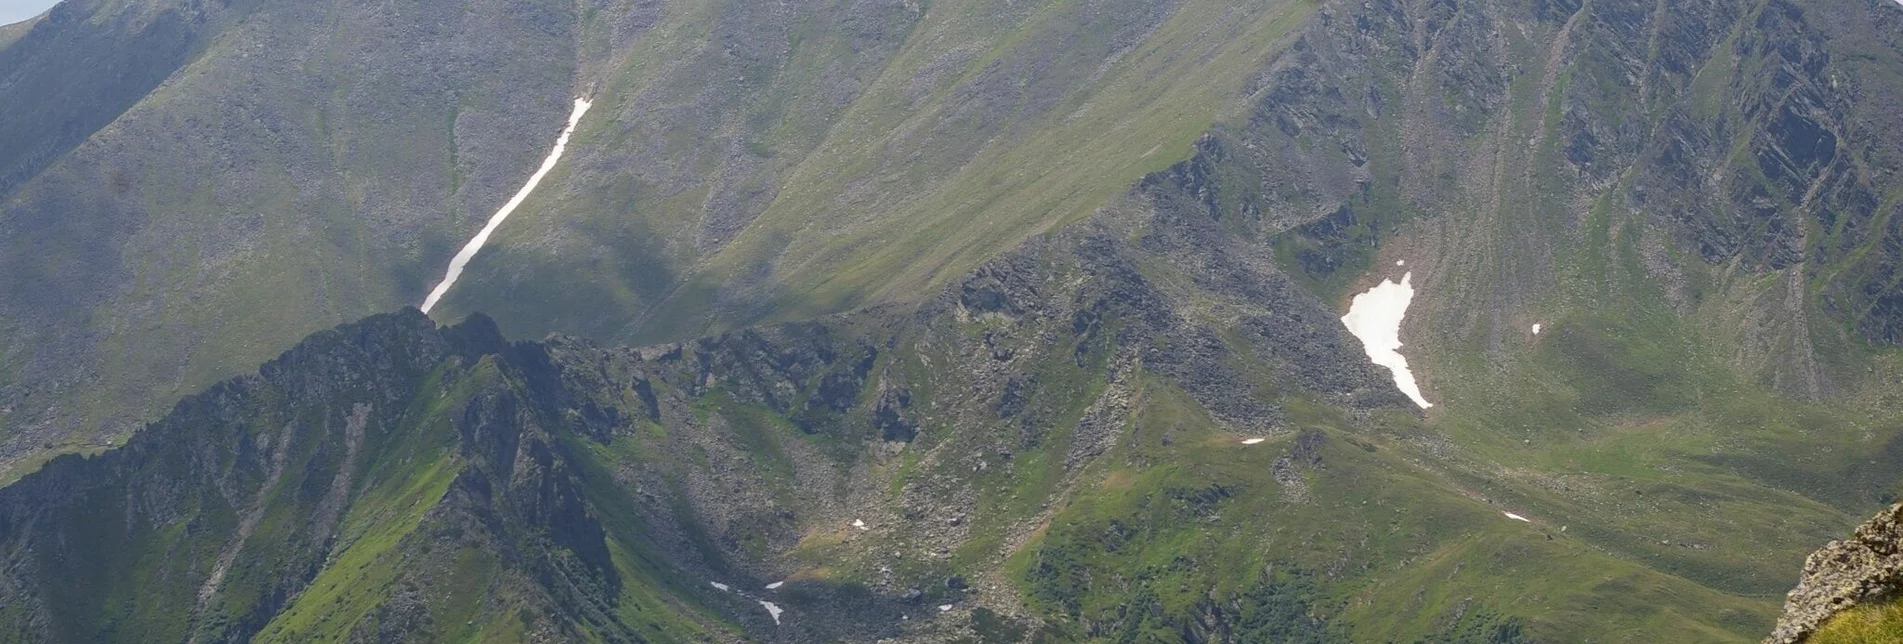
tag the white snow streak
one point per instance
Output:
(1516, 517)
(775, 585)
(771, 608)
(475, 244)
(1375, 317)
(1252, 441)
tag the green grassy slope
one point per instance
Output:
(1872, 624)
(1691, 202)
(1706, 398)
(363, 484)
(955, 133)
(1117, 501)
(323, 161)
(293, 170)
(1063, 430)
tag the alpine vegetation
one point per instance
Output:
(951, 322)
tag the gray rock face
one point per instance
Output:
(1867, 566)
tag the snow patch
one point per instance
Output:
(773, 610)
(1536, 327)
(1375, 317)
(721, 586)
(775, 585)
(468, 252)
(1516, 517)
(860, 524)
(1403, 262)
(1252, 441)
(944, 608)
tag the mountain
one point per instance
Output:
(1065, 445)
(189, 187)
(294, 165)
(1012, 284)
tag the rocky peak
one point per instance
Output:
(1865, 567)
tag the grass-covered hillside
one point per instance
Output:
(852, 153)
(246, 172)
(286, 166)
(190, 187)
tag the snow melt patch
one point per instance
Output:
(1252, 441)
(775, 585)
(1375, 317)
(721, 586)
(475, 244)
(772, 610)
(1536, 327)
(1516, 517)
(944, 608)
(860, 524)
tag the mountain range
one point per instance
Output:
(947, 320)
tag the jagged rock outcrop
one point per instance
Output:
(1865, 567)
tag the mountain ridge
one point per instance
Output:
(1013, 285)
(997, 434)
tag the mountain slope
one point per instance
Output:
(1655, 187)
(1052, 447)
(281, 178)
(355, 478)
(859, 161)
(1011, 285)
(305, 163)
(753, 163)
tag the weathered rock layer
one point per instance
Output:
(1867, 566)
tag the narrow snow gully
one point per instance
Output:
(1375, 317)
(475, 243)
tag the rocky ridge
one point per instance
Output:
(1050, 448)
(452, 458)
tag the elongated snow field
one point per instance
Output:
(475, 243)
(1375, 317)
